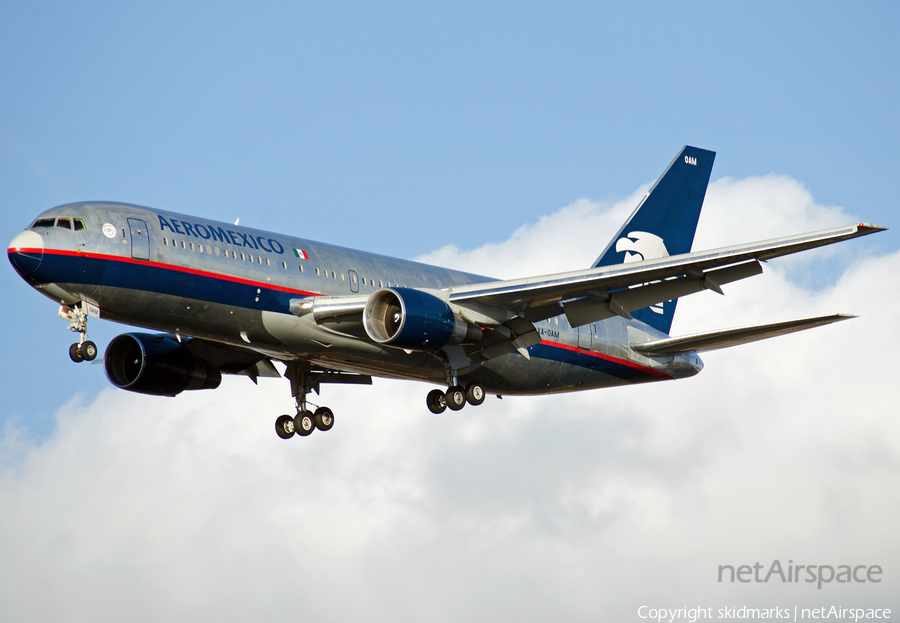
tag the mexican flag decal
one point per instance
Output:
(301, 254)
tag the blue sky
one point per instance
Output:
(402, 128)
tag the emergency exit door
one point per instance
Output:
(584, 336)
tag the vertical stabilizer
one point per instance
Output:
(664, 223)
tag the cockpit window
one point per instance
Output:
(65, 222)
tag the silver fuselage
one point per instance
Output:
(231, 284)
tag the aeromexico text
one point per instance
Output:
(212, 232)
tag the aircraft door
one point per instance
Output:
(354, 281)
(140, 239)
(584, 336)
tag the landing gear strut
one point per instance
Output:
(84, 349)
(305, 421)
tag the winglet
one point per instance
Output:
(868, 228)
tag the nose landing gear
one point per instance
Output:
(84, 349)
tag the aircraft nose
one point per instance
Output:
(26, 251)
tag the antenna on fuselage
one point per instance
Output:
(237, 222)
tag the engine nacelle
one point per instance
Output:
(156, 364)
(415, 320)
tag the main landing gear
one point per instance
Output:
(455, 398)
(305, 421)
(84, 349)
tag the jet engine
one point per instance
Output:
(415, 320)
(156, 364)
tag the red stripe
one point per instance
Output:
(623, 362)
(180, 269)
(203, 273)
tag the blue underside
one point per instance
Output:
(161, 280)
(81, 270)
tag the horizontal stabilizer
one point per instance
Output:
(725, 338)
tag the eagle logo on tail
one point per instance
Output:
(639, 246)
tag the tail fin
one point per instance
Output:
(664, 223)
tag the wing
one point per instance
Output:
(597, 293)
(506, 310)
(254, 362)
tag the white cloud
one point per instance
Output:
(574, 507)
(568, 239)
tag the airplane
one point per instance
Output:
(228, 299)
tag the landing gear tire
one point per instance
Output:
(323, 418)
(75, 353)
(284, 426)
(436, 401)
(304, 423)
(88, 350)
(474, 394)
(456, 398)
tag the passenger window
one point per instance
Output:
(209, 249)
(79, 224)
(217, 251)
(199, 247)
(192, 246)
(166, 241)
(317, 271)
(284, 265)
(342, 276)
(301, 267)
(43, 222)
(65, 223)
